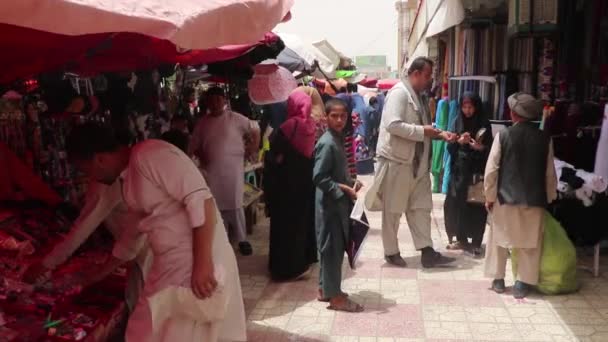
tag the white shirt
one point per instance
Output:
(103, 203)
(163, 184)
(218, 143)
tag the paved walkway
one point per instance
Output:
(414, 304)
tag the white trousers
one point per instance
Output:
(402, 193)
(528, 261)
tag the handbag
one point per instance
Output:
(476, 192)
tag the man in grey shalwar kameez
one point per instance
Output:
(402, 183)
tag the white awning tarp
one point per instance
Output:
(450, 13)
(189, 24)
(309, 53)
(442, 15)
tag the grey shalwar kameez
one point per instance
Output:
(402, 183)
(332, 210)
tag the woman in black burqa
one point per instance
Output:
(289, 192)
(465, 220)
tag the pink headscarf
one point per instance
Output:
(300, 128)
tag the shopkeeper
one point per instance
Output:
(18, 182)
(103, 204)
(192, 257)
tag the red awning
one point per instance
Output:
(386, 84)
(28, 52)
(369, 82)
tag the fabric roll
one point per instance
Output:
(441, 122)
(447, 161)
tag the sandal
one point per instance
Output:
(477, 252)
(456, 246)
(347, 306)
(326, 300)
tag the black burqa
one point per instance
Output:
(465, 220)
(289, 192)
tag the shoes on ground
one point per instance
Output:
(395, 260)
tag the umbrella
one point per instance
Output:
(309, 54)
(190, 24)
(291, 61)
(30, 52)
(387, 84)
(271, 83)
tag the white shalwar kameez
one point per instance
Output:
(218, 143)
(162, 183)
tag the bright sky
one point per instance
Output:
(353, 27)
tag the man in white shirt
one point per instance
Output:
(221, 141)
(103, 203)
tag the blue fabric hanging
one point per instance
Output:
(439, 146)
(447, 159)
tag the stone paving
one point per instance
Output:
(414, 304)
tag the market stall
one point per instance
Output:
(60, 73)
(54, 311)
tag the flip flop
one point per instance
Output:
(348, 306)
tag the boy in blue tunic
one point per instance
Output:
(334, 195)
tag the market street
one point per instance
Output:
(412, 304)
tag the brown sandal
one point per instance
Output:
(347, 306)
(326, 300)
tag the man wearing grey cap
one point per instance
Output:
(520, 181)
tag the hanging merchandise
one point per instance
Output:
(522, 63)
(601, 159)
(12, 123)
(546, 60)
(271, 84)
(439, 146)
(447, 158)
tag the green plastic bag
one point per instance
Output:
(558, 260)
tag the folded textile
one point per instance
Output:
(593, 181)
(585, 195)
(569, 176)
(567, 173)
(559, 165)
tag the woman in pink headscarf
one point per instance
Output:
(290, 192)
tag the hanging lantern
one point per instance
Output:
(271, 84)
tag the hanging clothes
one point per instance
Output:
(601, 159)
(441, 122)
(447, 157)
